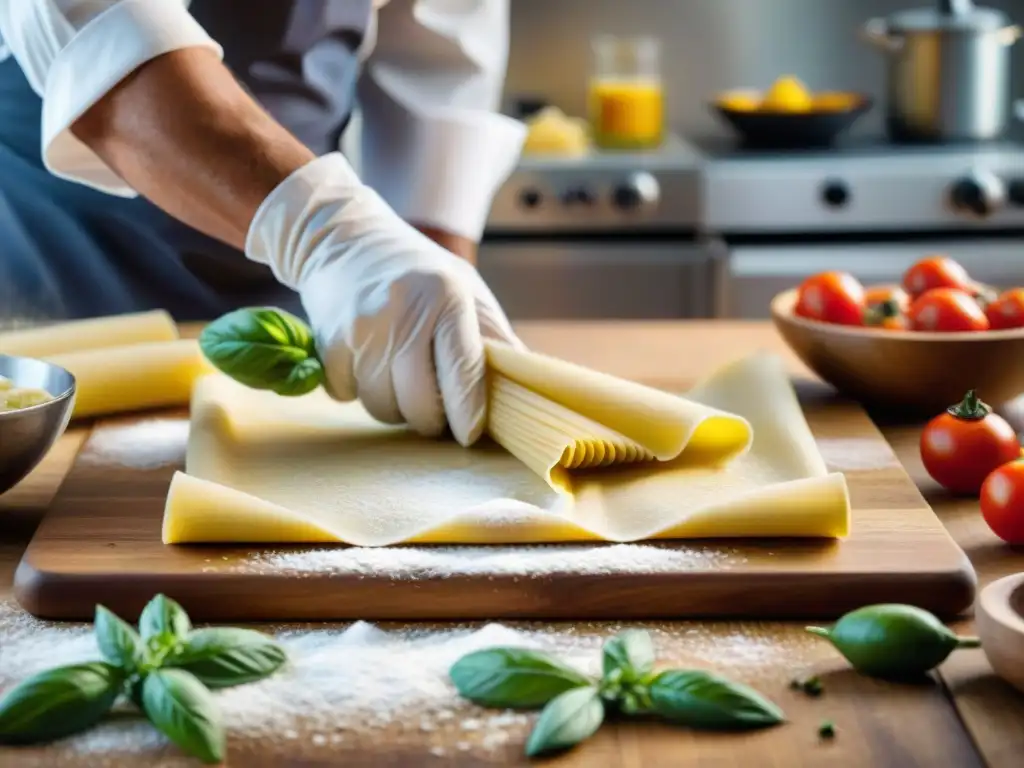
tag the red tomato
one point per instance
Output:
(832, 297)
(879, 295)
(1007, 311)
(1002, 502)
(935, 272)
(947, 309)
(960, 447)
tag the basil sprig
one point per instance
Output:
(568, 719)
(165, 667)
(221, 657)
(184, 710)
(163, 620)
(575, 705)
(706, 700)
(59, 702)
(513, 678)
(264, 348)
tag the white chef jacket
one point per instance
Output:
(433, 147)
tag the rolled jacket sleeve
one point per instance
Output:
(433, 144)
(73, 52)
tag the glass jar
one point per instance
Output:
(625, 99)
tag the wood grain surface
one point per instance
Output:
(101, 541)
(971, 719)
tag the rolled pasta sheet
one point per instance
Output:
(82, 335)
(564, 421)
(134, 377)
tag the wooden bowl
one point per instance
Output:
(909, 372)
(999, 617)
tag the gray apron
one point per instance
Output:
(68, 251)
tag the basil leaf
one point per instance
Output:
(163, 618)
(704, 700)
(513, 677)
(631, 652)
(567, 720)
(183, 710)
(119, 643)
(58, 702)
(264, 348)
(222, 657)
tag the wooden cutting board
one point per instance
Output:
(101, 540)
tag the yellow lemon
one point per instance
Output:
(787, 94)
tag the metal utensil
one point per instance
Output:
(948, 71)
(27, 434)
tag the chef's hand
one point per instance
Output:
(399, 320)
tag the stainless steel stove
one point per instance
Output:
(861, 186)
(705, 228)
(609, 235)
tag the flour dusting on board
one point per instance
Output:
(524, 561)
(148, 444)
(349, 686)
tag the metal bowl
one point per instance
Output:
(27, 434)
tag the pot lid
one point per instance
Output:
(952, 15)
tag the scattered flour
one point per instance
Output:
(339, 683)
(535, 561)
(347, 687)
(147, 444)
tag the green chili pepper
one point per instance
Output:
(893, 641)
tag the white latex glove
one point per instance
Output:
(399, 320)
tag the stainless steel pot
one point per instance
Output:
(948, 71)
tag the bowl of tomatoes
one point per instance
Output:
(911, 348)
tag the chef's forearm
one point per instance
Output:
(462, 247)
(183, 133)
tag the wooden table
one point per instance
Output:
(968, 718)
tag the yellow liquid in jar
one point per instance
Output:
(627, 114)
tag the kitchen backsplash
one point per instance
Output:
(710, 45)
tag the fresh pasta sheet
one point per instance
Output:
(121, 363)
(572, 455)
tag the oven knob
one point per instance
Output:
(530, 198)
(980, 194)
(835, 194)
(581, 195)
(639, 190)
(1015, 192)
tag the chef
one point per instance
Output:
(184, 155)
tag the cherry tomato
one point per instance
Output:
(1007, 311)
(874, 297)
(1002, 502)
(935, 272)
(947, 309)
(962, 446)
(832, 297)
(887, 315)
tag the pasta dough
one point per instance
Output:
(120, 363)
(588, 457)
(81, 335)
(135, 377)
